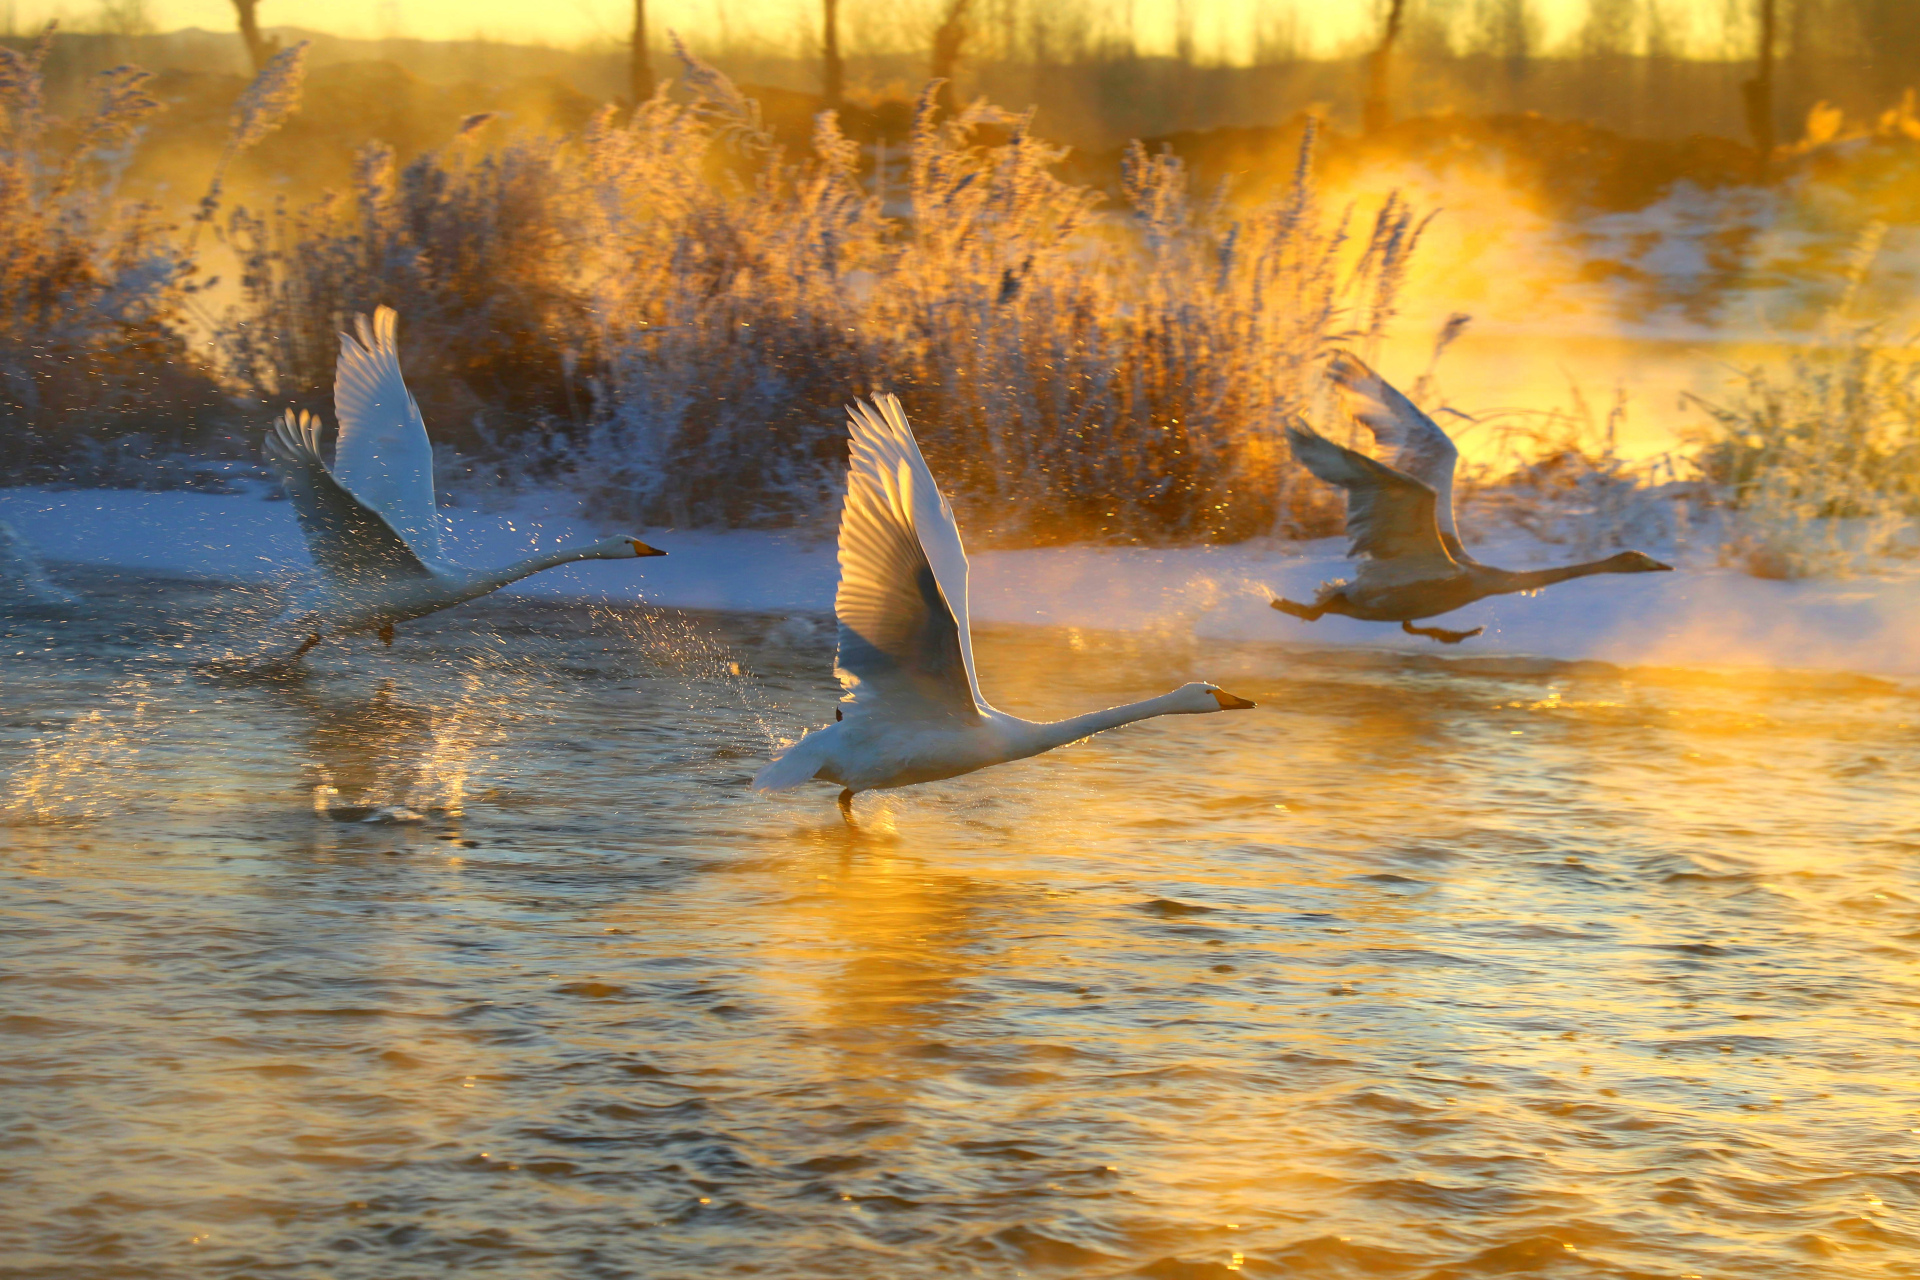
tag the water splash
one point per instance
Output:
(80, 774)
(709, 672)
(460, 735)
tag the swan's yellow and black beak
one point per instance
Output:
(1228, 702)
(642, 549)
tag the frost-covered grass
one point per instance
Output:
(86, 281)
(670, 311)
(1809, 468)
(1805, 467)
(97, 292)
(677, 312)
(1819, 462)
(666, 312)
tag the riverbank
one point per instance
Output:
(1703, 616)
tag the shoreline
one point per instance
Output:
(1703, 618)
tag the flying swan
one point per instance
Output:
(370, 521)
(1401, 518)
(912, 711)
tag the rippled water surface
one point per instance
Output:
(1412, 972)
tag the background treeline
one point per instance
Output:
(1650, 68)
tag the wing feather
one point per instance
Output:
(349, 542)
(1390, 515)
(1421, 449)
(902, 601)
(383, 456)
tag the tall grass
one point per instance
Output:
(676, 311)
(1121, 374)
(667, 312)
(1807, 467)
(1819, 462)
(474, 250)
(1075, 371)
(88, 280)
(1560, 476)
(99, 375)
(731, 290)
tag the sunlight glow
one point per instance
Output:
(1214, 30)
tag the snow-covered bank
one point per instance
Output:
(1700, 617)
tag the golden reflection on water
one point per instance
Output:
(1407, 974)
(377, 750)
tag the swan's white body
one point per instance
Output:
(370, 520)
(23, 581)
(1400, 517)
(913, 710)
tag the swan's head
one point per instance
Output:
(625, 549)
(1200, 698)
(1636, 562)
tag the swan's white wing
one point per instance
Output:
(1421, 448)
(350, 543)
(1390, 515)
(902, 603)
(383, 455)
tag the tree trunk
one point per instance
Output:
(948, 38)
(833, 76)
(259, 48)
(639, 65)
(1376, 113)
(1758, 93)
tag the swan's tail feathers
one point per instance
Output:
(796, 764)
(295, 439)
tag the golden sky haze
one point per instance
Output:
(1221, 28)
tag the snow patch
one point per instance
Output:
(1702, 616)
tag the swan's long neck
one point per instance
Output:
(1058, 733)
(485, 580)
(1534, 579)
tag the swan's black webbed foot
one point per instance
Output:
(302, 651)
(1441, 634)
(846, 805)
(386, 635)
(1306, 613)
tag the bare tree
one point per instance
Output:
(833, 73)
(639, 65)
(1506, 32)
(948, 38)
(259, 48)
(125, 17)
(1376, 113)
(1608, 28)
(1758, 93)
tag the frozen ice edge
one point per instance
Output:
(1703, 617)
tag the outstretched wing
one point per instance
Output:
(349, 542)
(1389, 513)
(902, 603)
(1421, 448)
(383, 455)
